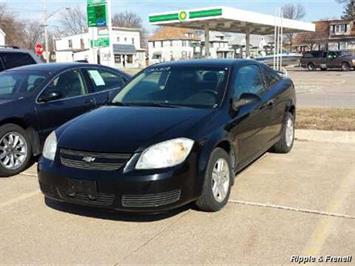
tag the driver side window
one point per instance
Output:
(248, 80)
(68, 84)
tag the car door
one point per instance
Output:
(73, 100)
(276, 97)
(250, 121)
(104, 83)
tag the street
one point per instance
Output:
(302, 203)
(324, 88)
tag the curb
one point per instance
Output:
(347, 137)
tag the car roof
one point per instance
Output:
(205, 62)
(53, 67)
(13, 50)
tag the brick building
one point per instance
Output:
(329, 35)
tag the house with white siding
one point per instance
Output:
(126, 49)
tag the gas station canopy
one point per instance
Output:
(228, 19)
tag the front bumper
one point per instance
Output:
(135, 191)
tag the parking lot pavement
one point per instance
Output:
(302, 203)
(324, 88)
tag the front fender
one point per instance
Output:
(207, 145)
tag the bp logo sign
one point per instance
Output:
(182, 15)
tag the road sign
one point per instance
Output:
(39, 49)
(97, 13)
(100, 42)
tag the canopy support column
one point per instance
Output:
(207, 41)
(247, 42)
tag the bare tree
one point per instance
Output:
(127, 19)
(73, 21)
(292, 11)
(11, 26)
(33, 33)
(349, 8)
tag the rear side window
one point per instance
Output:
(105, 80)
(317, 54)
(12, 60)
(271, 77)
(308, 55)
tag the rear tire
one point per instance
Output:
(15, 150)
(285, 144)
(345, 66)
(311, 67)
(217, 182)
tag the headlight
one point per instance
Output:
(50, 147)
(165, 154)
(353, 62)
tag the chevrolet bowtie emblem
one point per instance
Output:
(89, 159)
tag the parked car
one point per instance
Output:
(36, 99)
(12, 56)
(176, 133)
(328, 60)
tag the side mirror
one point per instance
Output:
(244, 99)
(51, 96)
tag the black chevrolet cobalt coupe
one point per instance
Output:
(178, 132)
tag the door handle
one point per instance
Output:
(90, 101)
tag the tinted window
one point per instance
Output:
(248, 80)
(333, 54)
(12, 60)
(179, 85)
(1, 67)
(20, 83)
(68, 84)
(104, 80)
(308, 55)
(271, 77)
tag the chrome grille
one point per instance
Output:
(93, 160)
(99, 200)
(151, 200)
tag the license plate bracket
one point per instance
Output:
(86, 187)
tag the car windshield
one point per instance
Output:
(20, 83)
(200, 87)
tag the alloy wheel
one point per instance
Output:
(220, 180)
(13, 150)
(289, 132)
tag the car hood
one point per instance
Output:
(128, 129)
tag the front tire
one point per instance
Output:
(15, 150)
(285, 144)
(217, 182)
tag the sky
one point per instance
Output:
(315, 9)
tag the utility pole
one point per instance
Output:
(46, 31)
